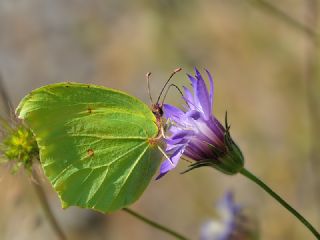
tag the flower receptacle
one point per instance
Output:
(232, 161)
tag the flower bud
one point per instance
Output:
(19, 145)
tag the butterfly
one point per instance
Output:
(98, 146)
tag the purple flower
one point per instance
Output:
(196, 134)
(233, 223)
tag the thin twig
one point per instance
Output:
(46, 207)
(270, 8)
(5, 97)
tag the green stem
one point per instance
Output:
(252, 177)
(155, 225)
(46, 207)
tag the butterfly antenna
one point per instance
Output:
(172, 74)
(148, 83)
(166, 93)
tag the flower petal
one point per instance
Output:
(173, 113)
(198, 148)
(171, 163)
(213, 230)
(182, 134)
(228, 206)
(193, 81)
(176, 141)
(211, 88)
(196, 103)
(201, 97)
(217, 127)
(205, 130)
(180, 137)
(173, 129)
(193, 114)
(172, 147)
(198, 74)
(188, 97)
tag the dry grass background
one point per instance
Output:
(261, 66)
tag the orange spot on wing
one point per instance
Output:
(90, 152)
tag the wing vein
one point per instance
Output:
(125, 180)
(98, 189)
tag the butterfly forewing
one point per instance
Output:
(94, 143)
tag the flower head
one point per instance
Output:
(17, 145)
(234, 224)
(196, 134)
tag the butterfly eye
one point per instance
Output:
(157, 110)
(160, 111)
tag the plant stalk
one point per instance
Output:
(252, 177)
(155, 225)
(46, 207)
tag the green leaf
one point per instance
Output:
(96, 144)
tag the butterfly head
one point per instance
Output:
(157, 110)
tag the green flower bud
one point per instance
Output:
(19, 145)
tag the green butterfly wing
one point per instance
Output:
(95, 143)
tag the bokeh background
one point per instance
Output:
(263, 55)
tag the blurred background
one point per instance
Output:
(264, 58)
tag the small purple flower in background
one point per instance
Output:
(233, 225)
(196, 134)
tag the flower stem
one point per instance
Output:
(155, 225)
(252, 177)
(46, 207)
